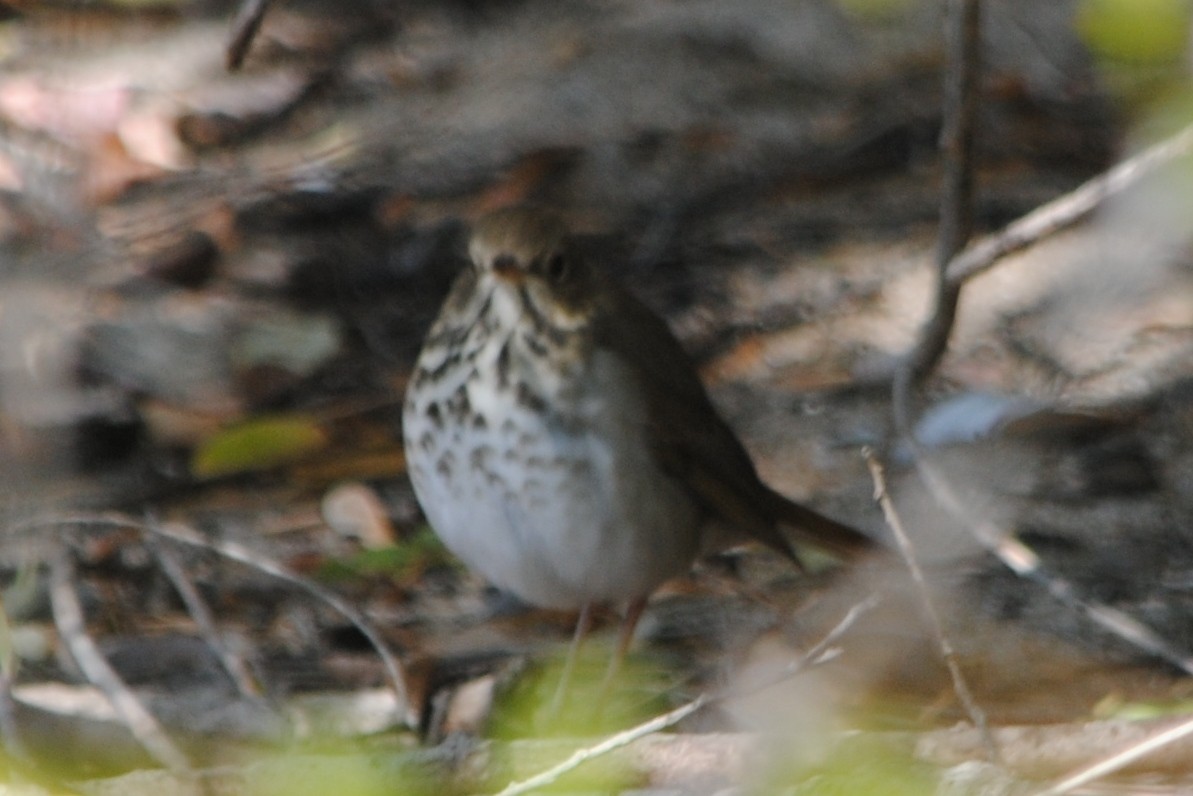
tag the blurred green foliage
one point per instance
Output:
(347, 775)
(862, 767)
(1135, 31)
(590, 707)
(876, 9)
(398, 561)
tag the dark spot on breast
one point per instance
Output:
(503, 365)
(458, 405)
(447, 336)
(446, 464)
(580, 467)
(535, 343)
(427, 441)
(435, 415)
(480, 422)
(479, 457)
(449, 362)
(542, 326)
(528, 398)
(573, 425)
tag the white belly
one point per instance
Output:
(561, 511)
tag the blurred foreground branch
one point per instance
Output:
(1067, 210)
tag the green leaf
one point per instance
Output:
(259, 444)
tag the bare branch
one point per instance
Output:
(1023, 561)
(243, 555)
(1119, 761)
(962, 68)
(14, 747)
(610, 744)
(68, 616)
(963, 29)
(976, 715)
(815, 655)
(244, 30)
(198, 610)
(1067, 210)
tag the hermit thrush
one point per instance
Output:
(560, 441)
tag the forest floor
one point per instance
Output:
(213, 284)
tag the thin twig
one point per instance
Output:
(952, 275)
(244, 30)
(817, 654)
(233, 664)
(1064, 211)
(244, 555)
(8, 665)
(14, 747)
(249, 558)
(1045, 220)
(962, 70)
(947, 653)
(1121, 760)
(610, 744)
(1024, 562)
(68, 617)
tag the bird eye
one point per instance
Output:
(557, 267)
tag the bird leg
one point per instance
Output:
(625, 637)
(583, 625)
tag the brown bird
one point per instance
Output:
(561, 443)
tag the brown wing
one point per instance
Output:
(694, 444)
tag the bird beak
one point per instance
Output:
(506, 268)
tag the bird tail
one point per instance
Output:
(815, 529)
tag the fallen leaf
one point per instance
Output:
(259, 444)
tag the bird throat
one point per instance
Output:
(499, 355)
(531, 343)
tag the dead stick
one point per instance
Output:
(947, 653)
(68, 617)
(962, 67)
(9, 731)
(817, 654)
(963, 30)
(1119, 761)
(240, 553)
(1064, 211)
(244, 30)
(233, 664)
(1024, 562)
